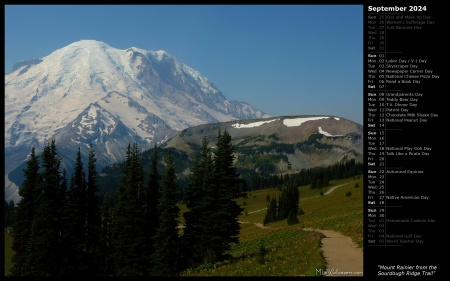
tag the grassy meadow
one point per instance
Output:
(291, 250)
(278, 249)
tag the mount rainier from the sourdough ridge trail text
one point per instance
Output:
(91, 93)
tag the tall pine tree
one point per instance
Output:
(93, 216)
(227, 189)
(24, 214)
(105, 262)
(129, 235)
(75, 222)
(271, 214)
(200, 200)
(288, 203)
(165, 259)
(294, 196)
(152, 195)
(9, 213)
(211, 224)
(45, 249)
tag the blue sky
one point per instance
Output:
(283, 59)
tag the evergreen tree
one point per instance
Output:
(211, 224)
(165, 258)
(288, 203)
(9, 213)
(45, 249)
(75, 224)
(271, 214)
(25, 210)
(294, 197)
(261, 257)
(129, 233)
(152, 195)
(200, 201)
(106, 262)
(226, 227)
(283, 204)
(93, 216)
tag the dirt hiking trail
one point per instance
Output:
(343, 257)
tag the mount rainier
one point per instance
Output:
(91, 93)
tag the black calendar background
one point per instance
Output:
(426, 44)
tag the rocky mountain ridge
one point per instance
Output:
(278, 145)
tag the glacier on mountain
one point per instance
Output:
(91, 93)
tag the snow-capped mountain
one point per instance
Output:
(91, 93)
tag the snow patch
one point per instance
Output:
(327, 134)
(251, 125)
(299, 121)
